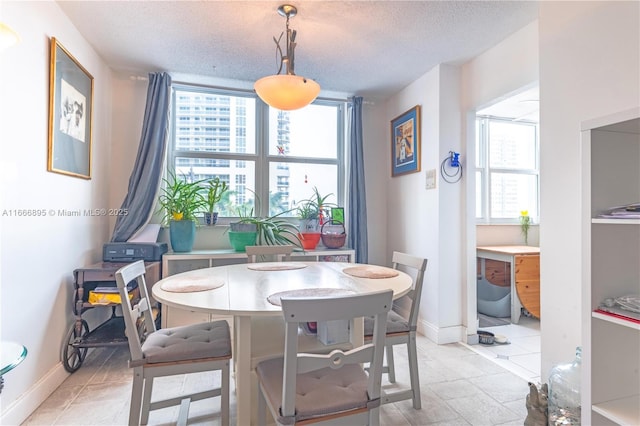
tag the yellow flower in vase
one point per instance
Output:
(525, 223)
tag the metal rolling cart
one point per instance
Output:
(109, 333)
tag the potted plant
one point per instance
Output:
(525, 224)
(311, 213)
(214, 192)
(243, 232)
(254, 230)
(179, 202)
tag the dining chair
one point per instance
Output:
(279, 253)
(169, 351)
(401, 330)
(331, 388)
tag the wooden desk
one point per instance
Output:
(256, 333)
(525, 275)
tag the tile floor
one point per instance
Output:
(522, 355)
(459, 387)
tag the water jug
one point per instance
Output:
(564, 393)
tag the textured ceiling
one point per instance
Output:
(368, 48)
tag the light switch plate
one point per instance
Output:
(431, 179)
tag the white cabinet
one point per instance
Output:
(174, 263)
(611, 268)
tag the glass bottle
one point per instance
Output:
(564, 392)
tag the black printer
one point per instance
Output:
(129, 252)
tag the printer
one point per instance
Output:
(129, 252)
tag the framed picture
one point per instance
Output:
(70, 111)
(405, 142)
(337, 214)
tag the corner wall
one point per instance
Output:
(38, 254)
(427, 222)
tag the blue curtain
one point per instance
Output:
(357, 202)
(147, 171)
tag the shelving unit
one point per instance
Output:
(173, 263)
(611, 268)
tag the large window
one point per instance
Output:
(507, 164)
(276, 157)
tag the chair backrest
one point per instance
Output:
(402, 260)
(301, 310)
(278, 253)
(137, 318)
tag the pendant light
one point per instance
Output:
(287, 91)
(8, 37)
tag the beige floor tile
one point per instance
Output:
(458, 386)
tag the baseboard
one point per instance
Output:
(439, 335)
(20, 409)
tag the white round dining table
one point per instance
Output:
(248, 292)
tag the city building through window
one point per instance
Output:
(270, 159)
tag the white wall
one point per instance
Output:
(496, 235)
(589, 67)
(129, 100)
(375, 128)
(39, 254)
(423, 222)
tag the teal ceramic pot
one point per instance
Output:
(239, 240)
(182, 234)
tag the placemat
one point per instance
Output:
(274, 299)
(194, 284)
(276, 266)
(371, 271)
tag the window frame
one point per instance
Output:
(483, 167)
(262, 159)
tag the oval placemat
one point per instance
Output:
(193, 285)
(274, 299)
(371, 271)
(276, 266)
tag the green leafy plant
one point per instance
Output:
(525, 223)
(274, 230)
(315, 206)
(271, 230)
(180, 200)
(215, 190)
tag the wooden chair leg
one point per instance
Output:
(374, 417)
(262, 408)
(390, 364)
(224, 395)
(146, 400)
(136, 398)
(413, 371)
(183, 415)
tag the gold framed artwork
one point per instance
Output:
(405, 142)
(70, 113)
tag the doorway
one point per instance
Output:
(505, 171)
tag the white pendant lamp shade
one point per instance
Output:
(287, 92)
(8, 37)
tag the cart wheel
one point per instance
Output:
(73, 356)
